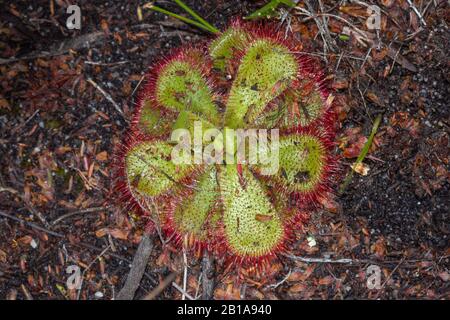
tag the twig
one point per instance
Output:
(199, 283)
(320, 54)
(366, 57)
(358, 261)
(20, 126)
(207, 276)
(417, 12)
(183, 292)
(328, 42)
(324, 260)
(392, 272)
(106, 95)
(87, 268)
(185, 273)
(31, 224)
(138, 266)
(276, 285)
(389, 277)
(137, 86)
(83, 211)
(161, 286)
(10, 190)
(26, 293)
(106, 64)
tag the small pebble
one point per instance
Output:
(33, 244)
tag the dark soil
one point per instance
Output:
(57, 137)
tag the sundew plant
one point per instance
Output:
(248, 77)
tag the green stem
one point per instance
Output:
(196, 16)
(363, 152)
(177, 16)
(269, 9)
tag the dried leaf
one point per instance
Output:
(326, 281)
(444, 275)
(4, 104)
(119, 233)
(296, 288)
(361, 168)
(25, 240)
(101, 232)
(3, 256)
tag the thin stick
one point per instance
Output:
(138, 267)
(417, 12)
(110, 64)
(106, 95)
(83, 211)
(88, 267)
(160, 288)
(320, 54)
(20, 126)
(183, 292)
(207, 276)
(323, 260)
(328, 42)
(276, 285)
(31, 224)
(137, 86)
(392, 272)
(10, 190)
(183, 297)
(26, 293)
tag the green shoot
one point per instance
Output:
(363, 152)
(201, 23)
(197, 16)
(268, 11)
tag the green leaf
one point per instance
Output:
(265, 71)
(193, 215)
(269, 10)
(252, 227)
(150, 170)
(181, 86)
(221, 49)
(301, 163)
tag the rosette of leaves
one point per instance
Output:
(249, 76)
